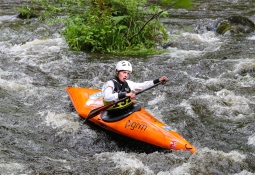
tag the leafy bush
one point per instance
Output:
(111, 26)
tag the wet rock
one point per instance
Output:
(234, 25)
(168, 44)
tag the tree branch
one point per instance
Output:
(153, 17)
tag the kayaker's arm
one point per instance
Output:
(162, 79)
(107, 92)
(131, 95)
(136, 87)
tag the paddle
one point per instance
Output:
(97, 111)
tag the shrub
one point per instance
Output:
(111, 26)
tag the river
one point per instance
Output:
(209, 100)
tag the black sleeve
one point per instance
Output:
(156, 81)
(121, 95)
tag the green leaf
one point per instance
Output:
(117, 19)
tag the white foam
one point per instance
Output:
(7, 18)
(234, 102)
(209, 41)
(244, 172)
(182, 54)
(251, 140)
(37, 50)
(13, 84)
(223, 104)
(64, 122)
(11, 168)
(127, 162)
(37, 53)
(244, 64)
(207, 37)
(247, 65)
(188, 108)
(251, 38)
(184, 169)
(232, 155)
(204, 159)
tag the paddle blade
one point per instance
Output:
(97, 111)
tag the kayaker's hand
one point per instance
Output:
(131, 95)
(163, 79)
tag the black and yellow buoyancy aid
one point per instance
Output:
(121, 88)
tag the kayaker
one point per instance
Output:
(119, 87)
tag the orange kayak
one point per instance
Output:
(136, 123)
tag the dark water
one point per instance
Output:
(210, 99)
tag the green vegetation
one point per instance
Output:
(109, 26)
(26, 13)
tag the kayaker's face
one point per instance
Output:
(123, 75)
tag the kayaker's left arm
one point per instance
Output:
(162, 79)
(136, 87)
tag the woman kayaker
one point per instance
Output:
(119, 87)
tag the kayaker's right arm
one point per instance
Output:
(107, 92)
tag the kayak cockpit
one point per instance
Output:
(113, 116)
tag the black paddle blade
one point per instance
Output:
(97, 111)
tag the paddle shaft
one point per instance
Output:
(97, 111)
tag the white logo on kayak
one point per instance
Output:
(95, 100)
(95, 96)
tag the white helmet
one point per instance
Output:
(124, 65)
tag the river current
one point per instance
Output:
(209, 100)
